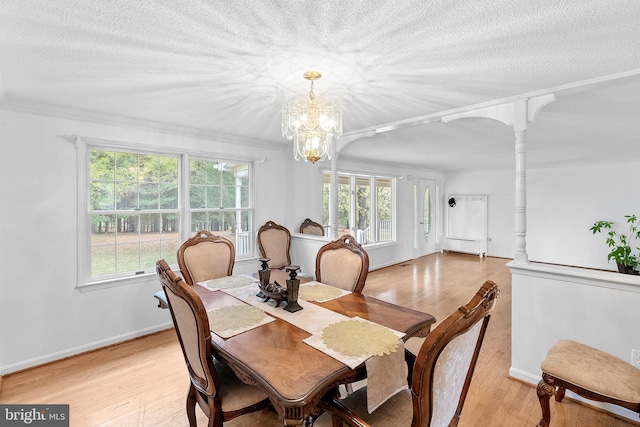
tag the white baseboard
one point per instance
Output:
(30, 363)
(524, 376)
(386, 264)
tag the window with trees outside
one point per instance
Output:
(365, 206)
(138, 203)
(220, 201)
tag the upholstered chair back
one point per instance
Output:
(274, 242)
(343, 263)
(445, 363)
(440, 376)
(192, 327)
(311, 227)
(205, 256)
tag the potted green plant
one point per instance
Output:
(622, 245)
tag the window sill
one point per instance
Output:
(377, 245)
(120, 281)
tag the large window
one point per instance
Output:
(139, 203)
(133, 206)
(365, 206)
(220, 201)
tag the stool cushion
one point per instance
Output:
(593, 370)
(162, 299)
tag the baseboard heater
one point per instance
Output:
(465, 245)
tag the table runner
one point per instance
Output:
(386, 375)
(311, 319)
(384, 359)
(366, 337)
(227, 282)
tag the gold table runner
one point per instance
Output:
(355, 340)
(381, 349)
(234, 319)
(319, 292)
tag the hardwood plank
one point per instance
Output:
(143, 382)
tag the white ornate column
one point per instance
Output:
(334, 193)
(520, 254)
(517, 114)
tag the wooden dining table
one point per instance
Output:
(295, 375)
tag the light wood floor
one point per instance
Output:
(143, 382)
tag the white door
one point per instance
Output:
(425, 223)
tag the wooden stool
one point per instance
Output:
(590, 373)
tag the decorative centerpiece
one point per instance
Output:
(293, 287)
(274, 291)
(268, 290)
(265, 274)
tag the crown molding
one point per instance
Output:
(113, 119)
(77, 140)
(567, 89)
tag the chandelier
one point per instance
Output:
(312, 123)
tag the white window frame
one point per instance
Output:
(83, 147)
(251, 233)
(373, 204)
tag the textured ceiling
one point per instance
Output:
(227, 67)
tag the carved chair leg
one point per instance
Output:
(560, 393)
(191, 406)
(545, 390)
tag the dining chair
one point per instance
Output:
(202, 257)
(343, 263)
(274, 242)
(590, 373)
(213, 385)
(311, 227)
(441, 375)
(205, 256)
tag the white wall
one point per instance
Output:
(563, 203)
(551, 302)
(304, 186)
(500, 188)
(43, 316)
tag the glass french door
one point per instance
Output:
(425, 217)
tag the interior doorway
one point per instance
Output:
(425, 216)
